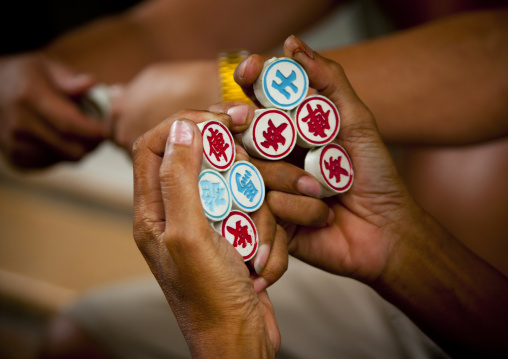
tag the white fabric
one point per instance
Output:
(319, 315)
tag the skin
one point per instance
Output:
(378, 235)
(39, 123)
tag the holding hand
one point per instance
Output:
(359, 241)
(214, 297)
(379, 235)
(39, 122)
(152, 96)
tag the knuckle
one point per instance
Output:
(138, 146)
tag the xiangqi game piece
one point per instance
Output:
(239, 229)
(215, 195)
(96, 102)
(271, 134)
(332, 167)
(246, 185)
(218, 146)
(283, 83)
(317, 121)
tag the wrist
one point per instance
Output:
(230, 90)
(244, 339)
(408, 245)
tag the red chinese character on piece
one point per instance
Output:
(217, 144)
(241, 234)
(335, 169)
(317, 120)
(273, 135)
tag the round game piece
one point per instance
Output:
(246, 185)
(97, 102)
(317, 121)
(283, 83)
(332, 167)
(271, 134)
(218, 146)
(239, 229)
(215, 195)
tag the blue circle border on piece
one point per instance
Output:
(256, 171)
(304, 93)
(223, 180)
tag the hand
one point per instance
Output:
(214, 297)
(362, 229)
(157, 92)
(39, 122)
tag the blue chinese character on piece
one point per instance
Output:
(246, 186)
(285, 82)
(213, 194)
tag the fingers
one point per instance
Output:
(178, 175)
(246, 74)
(148, 152)
(285, 177)
(26, 135)
(300, 210)
(67, 79)
(61, 113)
(271, 260)
(241, 114)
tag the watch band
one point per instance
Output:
(227, 63)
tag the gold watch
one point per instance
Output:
(227, 63)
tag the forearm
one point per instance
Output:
(454, 296)
(116, 48)
(443, 83)
(113, 49)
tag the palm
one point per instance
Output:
(356, 244)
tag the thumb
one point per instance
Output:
(69, 80)
(179, 173)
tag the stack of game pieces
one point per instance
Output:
(229, 190)
(291, 117)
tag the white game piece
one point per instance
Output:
(271, 134)
(283, 83)
(97, 102)
(246, 185)
(218, 146)
(332, 167)
(215, 195)
(317, 121)
(239, 229)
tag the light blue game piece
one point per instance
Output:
(246, 185)
(283, 84)
(214, 194)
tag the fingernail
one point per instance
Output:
(308, 186)
(260, 284)
(261, 258)
(303, 47)
(239, 114)
(181, 133)
(240, 69)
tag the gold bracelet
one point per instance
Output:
(227, 62)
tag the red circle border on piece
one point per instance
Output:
(240, 213)
(290, 148)
(325, 149)
(337, 116)
(232, 143)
